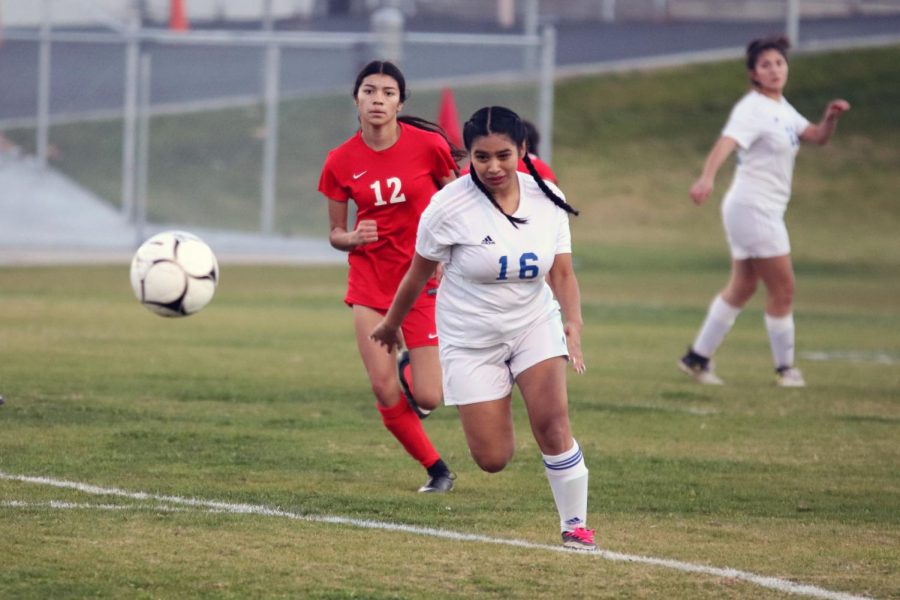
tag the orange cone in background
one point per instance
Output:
(447, 118)
(177, 16)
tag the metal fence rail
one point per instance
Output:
(345, 53)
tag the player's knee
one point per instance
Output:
(554, 437)
(385, 392)
(782, 297)
(739, 292)
(429, 399)
(492, 462)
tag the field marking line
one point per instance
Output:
(774, 583)
(61, 504)
(854, 356)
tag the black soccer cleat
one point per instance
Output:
(439, 484)
(403, 373)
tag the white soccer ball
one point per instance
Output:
(174, 274)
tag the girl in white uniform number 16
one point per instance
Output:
(502, 237)
(767, 132)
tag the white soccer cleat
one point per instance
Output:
(699, 373)
(790, 377)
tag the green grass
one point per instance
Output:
(261, 398)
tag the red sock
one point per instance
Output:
(401, 421)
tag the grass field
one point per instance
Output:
(260, 403)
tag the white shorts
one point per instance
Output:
(480, 374)
(753, 232)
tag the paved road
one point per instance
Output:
(89, 77)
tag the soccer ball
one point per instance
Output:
(174, 274)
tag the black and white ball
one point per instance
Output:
(174, 274)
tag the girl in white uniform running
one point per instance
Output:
(498, 234)
(767, 132)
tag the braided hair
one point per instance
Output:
(386, 67)
(503, 121)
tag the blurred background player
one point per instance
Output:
(767, 131)
(498, 232)
(390, 169)
(532, 144)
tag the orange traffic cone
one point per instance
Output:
(177, 16)
(447, 118)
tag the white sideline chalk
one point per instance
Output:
(774, 583)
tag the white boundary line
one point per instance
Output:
(774, 583)
(854, 356)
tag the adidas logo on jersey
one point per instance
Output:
(487, 241)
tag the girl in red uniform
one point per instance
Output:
(390, 169)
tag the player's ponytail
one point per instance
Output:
(455, 151)
(546, 188)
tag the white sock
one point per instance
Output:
(781, 338)
(719, 319)
(568, 477)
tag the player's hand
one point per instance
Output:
(836, 108)
(573, 341)
(386, 336)
(701, 190)
(366, 232)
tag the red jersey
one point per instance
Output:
(540, 166)
(391, 187)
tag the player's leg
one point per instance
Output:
(543, 388)
(720, 318)
(777, 274)
(425, 378)
(478, 382)
(539, 366)
(396, 414)
(488, 427)
(421, 376)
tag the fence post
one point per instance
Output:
(43, 107)
(792, 26)
(143, 148)
(531, 18)
(270, 148)
(129, 114)
(387, 24)
(546, 92)
(608, 11)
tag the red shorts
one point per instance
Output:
(418, 327)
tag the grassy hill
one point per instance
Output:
(628, 148)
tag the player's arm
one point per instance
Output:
(445, 180)
(564, 284)
(439, 269)
(387, 332)
(821, 132)
(702, 188)
(341, 239)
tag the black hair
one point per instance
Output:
(386, 67)
(532, 137)
(501, 120)
(760, 45)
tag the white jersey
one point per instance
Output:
(768, 135)
(493, 287)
